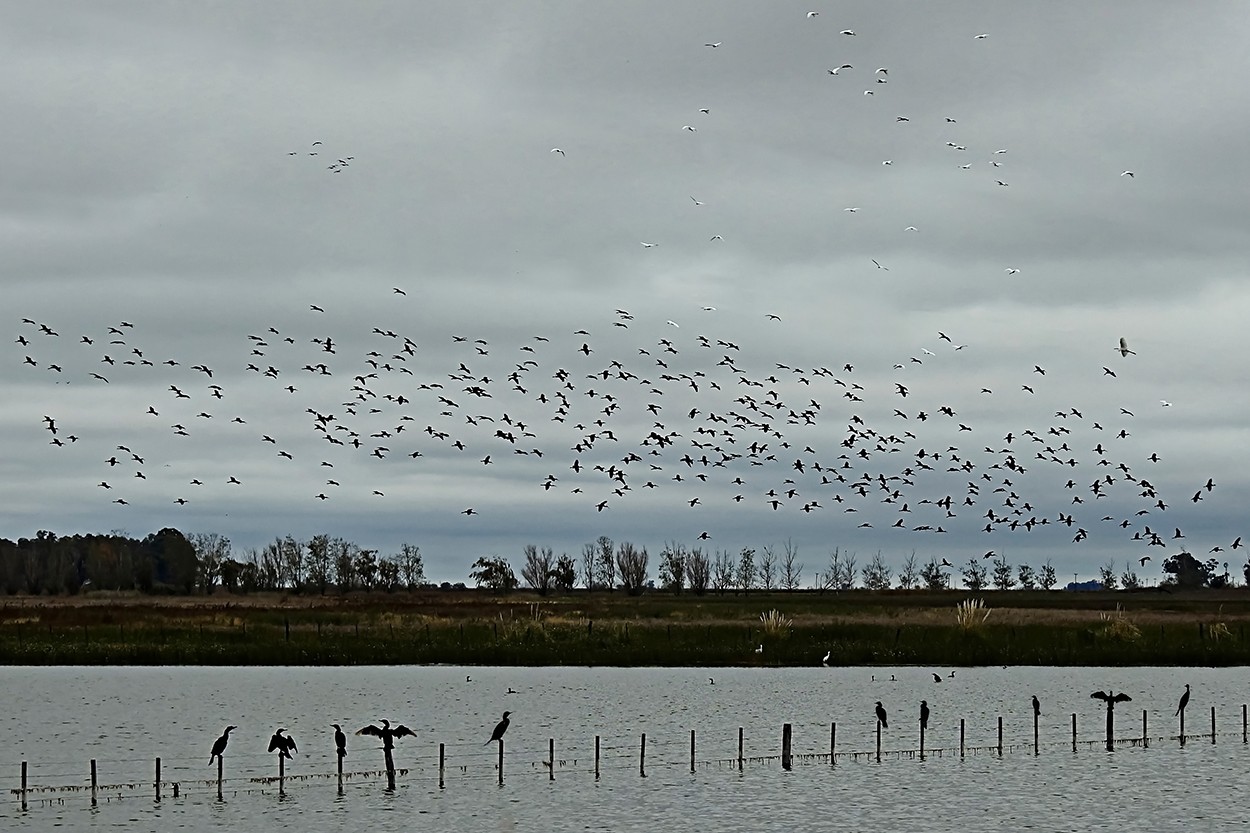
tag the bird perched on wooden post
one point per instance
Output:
(283, 745)
(1111, 699)
(924, 714)
(1184, 700)
(500, 728)
(219, 745)
(1037, 707)
(340, 740)
(881, 716)
(387, 733)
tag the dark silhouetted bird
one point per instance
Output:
(1111, 699)
(881, 716)
(387, 733)
(500, 728)
(1037, 707)
(219, 745)
(1184, 700)
(340, 740)
(924, 715)
(283, 745)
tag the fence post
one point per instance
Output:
(785, 746)
(551, 757)
(501, 762)
(1145, 735)
(1073, 731)
(23, 786)
(961, 737)
(692, 750)
(93, 782)
(219, 768)
(442, 763)
(596, 757)
(1245, 735)
(878, 741)
(1000, 736)
(1182, 727)
(1036, 747)
(158, 779)
(642, 757)
(833, 742)
(922, 741)
(740, 749)
(1213, 725)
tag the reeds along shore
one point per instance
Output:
(873, 630)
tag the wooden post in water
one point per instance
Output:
(785, 746)
(961, 737)
(1145, 736)
(390, 768)
(1182, 727)
(922, 741)
(1000, 736)
(340, 771)
(1073, 731)
(1213, 725)
(93, 782)
(878, 741)
(219, 768)
(1036, 747)
(833, 742)
(442, 764)
(158, 779)
(596, 757)
(692, 750)
(281, 774)
(642, 757)
(23, 786)
(501, 762)
(1110, 725)
(1245, 730)
(551, 758)
(740, 749)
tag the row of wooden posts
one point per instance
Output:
(787, 756)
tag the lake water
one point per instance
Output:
(58, 719)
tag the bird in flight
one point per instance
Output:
(1123, 348)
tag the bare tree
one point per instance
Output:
(590, 565)
(791, 569)
(768, 568)
(211, 550)
(673, 568)
(909, 576)
(722, 571)
(320, 562)
(746, 570)
(537, 570)
(698, 571)
(877, 574)
(293, 562)
(631, 562)
(607, 562)
(411, 566)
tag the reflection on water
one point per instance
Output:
(60, 719)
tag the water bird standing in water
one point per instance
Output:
(387, 733)
(881, 716)
(340, 741)
(500, 728)
(284, 746)
(219, 745)
(1184, 700)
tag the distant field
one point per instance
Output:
(472, 627)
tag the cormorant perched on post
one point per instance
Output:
(1111, 699)
(386, 733)
(881, 716)
(500, 728)
(340, 740)
(219, 745)
(284, 746)
(1037, 707)
(1184, 700)
(924, 714)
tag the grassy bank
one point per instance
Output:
(858, 628)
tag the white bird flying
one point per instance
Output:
(1123, 348)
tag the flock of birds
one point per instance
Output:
(678, 416)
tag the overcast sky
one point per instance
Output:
(207, 173)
